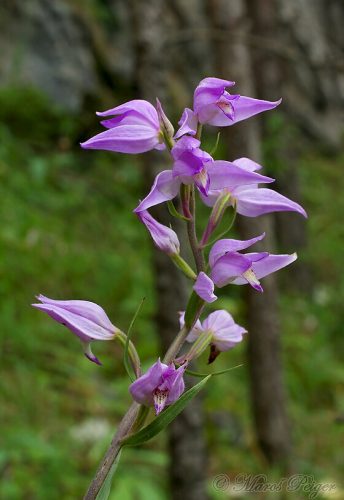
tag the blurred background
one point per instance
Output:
(67, 231)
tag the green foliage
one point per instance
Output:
(67, 231)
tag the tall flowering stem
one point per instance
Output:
(137, 127)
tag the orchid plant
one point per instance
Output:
(136, 127)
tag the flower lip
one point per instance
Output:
(160, 386)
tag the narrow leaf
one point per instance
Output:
(221, 235)
(165, 418)
(198, 374)
(104, 491)
(174, 212)
(193, 306)
(126, 359)
(213, 151)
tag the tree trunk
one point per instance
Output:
(187, 471)
(233, 61)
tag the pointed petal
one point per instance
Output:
(247, 164)
(143, 388)
(204, 287)
(202, 181)
(196, 330)
(228, 267)
(224, 246)
(89, 354)
(208, 91)
(83, 308)
(229, 338)
(245, 107)
(252, 279)
(224, 174)
(164, 188)
(177, 385)
(164, 237)
(139, 107)
(269, 265)
(188, 123)
(218, 320)
(125, 139)
(160, 400)
(85, 329)
(255, 202)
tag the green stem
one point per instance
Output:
(199, 131)
(183, 266)
(191, 230)
(134, 357)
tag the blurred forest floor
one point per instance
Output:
(68, 231)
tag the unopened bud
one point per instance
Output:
(166, 126)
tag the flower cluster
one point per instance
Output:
(136, 127)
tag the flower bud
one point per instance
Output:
(166, 126)
(164, 237)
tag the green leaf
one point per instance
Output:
(165, 418)
(198, 374)
(221, 235)
(193, 306)
(126, 359)
(104, 491)
(174, 212)
(213, 151)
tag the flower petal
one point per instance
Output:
(224, 246)
(84, 328)
(255, 202)
(125, 139)
(83, 308)
(177, 385)
(228, 267)
(164, 188)
(142, 389)
(268, 265)
(224, 174)
(188, 123)
(164, 237)
(247, 164)
(89, 354)
(140, 107)
(227, 339)
(245, 107)
(196, 329)
(204, 287)
(208, 91)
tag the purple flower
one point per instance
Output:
(215, 106)
(188, 123)
(160, 386)
(164, 237)
(133, 128)
(249, 200)
(194, 165)
(225, 333)
(204, 287)
(190, 163)
(85, 319)
(228, 266)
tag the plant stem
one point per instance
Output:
(124, 428)
(191, 229)
(133, 418)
